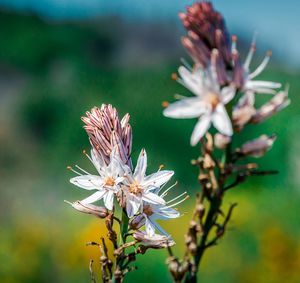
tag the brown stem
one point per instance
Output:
(93, 279)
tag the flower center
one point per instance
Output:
(212, 99)
(135, 188)
(109, 181)
(148, 210)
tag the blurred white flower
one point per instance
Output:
(106, 184)
(208, 104)
(138, 187)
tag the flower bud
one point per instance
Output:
(156, 241)
(97, 211)
(137, 222)
(257, 147)
(221, 141)
(277, 103)
(243, 111)
(208, 25)
(106, 130)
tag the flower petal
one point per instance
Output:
(94, 197)
(87, 182)
(165, 212)
(150, 228)
(262, 84)
(191, 80)
(132, 205)
(153, 198)
(97, 160)
(141, 166)
(227, 94)
(157, 179)
(221, 120)
(191, 107)
(109, 200)
(158, 227)
(201, 128)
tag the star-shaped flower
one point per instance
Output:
(106, 184)
(208, 104)
(138, 187)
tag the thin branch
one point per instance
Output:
(93, 279)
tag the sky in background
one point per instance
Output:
(277, 22)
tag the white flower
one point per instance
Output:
(106, 184)
(207, 105)
(152, 212)
(138, 187)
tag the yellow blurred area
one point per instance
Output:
(257, 248)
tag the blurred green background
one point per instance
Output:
(51, 72)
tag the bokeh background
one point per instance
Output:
(59, 58)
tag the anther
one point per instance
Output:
(165, 104)
(174, 76)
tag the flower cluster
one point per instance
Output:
(224, 89)
(218, 76)
(141, 196)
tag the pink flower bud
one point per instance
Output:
(209, 26)
(97, 211)
(106, 131)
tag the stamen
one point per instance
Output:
(165, 104)
(186, 64)
(177, 197)
(71, 169)
(68, 202)
(174, 76)
(166, 191)
(262, 66)
(83, 170)
(84, 152)
(184, 199)
(251, 52)
(234, 43)
(161, 166)
(179, 96)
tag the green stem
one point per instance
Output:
(123, 227)
(122, 240)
